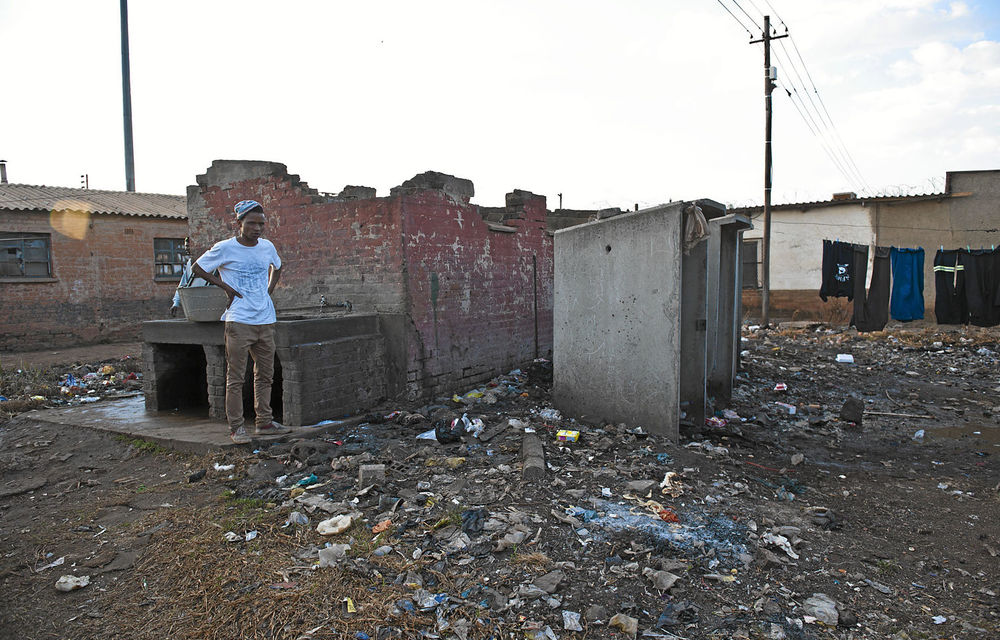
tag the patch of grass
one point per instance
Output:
(241, 512)
(142, 446)
(453, 517)
(887, 567)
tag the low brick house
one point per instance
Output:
(81, 266)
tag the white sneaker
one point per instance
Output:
(240, 436)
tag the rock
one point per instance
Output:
(797, 459)
(847, 619)
(852, 411)
(266, 470)
(197, 475)
(642, 487)
(627, 624)
(595, 612)
(549, 583)
(662, 580)
(823, 608)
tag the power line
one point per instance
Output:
(811, 109)
(734, 17)
(752, 21)
(817, 127)
(826, 111)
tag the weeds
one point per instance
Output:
(142, 446)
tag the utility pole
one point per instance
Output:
(769, 77)
(127, 102)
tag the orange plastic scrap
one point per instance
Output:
(668, 515)
(382, 526)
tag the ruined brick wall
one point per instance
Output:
(343, 250)
(103, 283)
(472, 293)
(457, 295)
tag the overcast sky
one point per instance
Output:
(609, 103)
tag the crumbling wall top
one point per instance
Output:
(460, 189)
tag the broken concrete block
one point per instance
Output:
(371, 474)
(641, 487)
(533, 455)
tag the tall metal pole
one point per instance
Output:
(127, 103)
(765, 298)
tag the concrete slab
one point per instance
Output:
(178, 431)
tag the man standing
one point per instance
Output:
(249, 269)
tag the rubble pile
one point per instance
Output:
(619, 529)
(807, 507)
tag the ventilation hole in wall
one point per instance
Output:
(128, 232)
(607, 248)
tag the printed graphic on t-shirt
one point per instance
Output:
(842, 275)
(252, 277)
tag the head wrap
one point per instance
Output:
(243, 207)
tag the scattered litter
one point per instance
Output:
(550, 414)
(296, 517)
(71, 582)
(781, 542)
(918, 434)
(305, 482)
(790, 409)
(822, 608)
(781, 386)
(54, 563)
(335, 525)
(571, 621)
(224, 467)
(845, 357)
(564, 435)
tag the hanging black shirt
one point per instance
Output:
(838, 270)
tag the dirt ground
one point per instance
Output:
(730, 533)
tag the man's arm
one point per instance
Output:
(272, 279)
(211, 278)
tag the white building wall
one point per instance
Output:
(797, 240)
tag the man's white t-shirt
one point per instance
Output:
(245, 269)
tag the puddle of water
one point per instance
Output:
(987, 434)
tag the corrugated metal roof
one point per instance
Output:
(27, 197)
(860, 199)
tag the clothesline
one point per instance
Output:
(966, 284)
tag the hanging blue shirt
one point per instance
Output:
(907, 300)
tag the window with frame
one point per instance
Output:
(751, 256)
(25, 255)
(168, 257)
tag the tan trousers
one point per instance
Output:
(258, 341)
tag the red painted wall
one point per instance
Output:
(472, 291)
(102, 288)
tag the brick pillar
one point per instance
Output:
(215, 370)
(149, 375)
